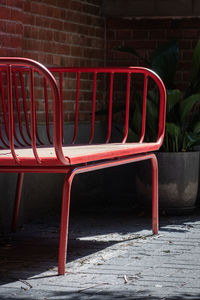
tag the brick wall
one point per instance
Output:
(67, 33)
(11, 28)
(146, 34)
(55, 33)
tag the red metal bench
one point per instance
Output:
(22, 150)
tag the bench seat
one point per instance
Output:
(77, 154)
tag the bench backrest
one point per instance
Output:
(111, 79)
(29, 90)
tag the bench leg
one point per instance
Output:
(64, 223)
(154, 165)
(17, 201)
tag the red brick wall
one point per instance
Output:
(67, 33)
(11, 28)
(146, 34)
(55, 33)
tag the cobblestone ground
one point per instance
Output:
(110, 257)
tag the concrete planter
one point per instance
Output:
(178, 182)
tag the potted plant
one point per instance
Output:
(178, 161)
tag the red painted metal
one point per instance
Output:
(33, 118)
(144, 109)
(61, 99)
(47, 111)
(110, 107)
(24, 104)
(154, 165)
(93, 107)
(77, 108)
(4, 105)
(19, 134)
(10, 116)
(127, 107)
(18, 112)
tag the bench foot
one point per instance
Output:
(154, 165)
(17, 201)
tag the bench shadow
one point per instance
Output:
(179, 224)
(28, 253)
(101, 295)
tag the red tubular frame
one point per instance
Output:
(61, 163)
(18, 111)
(127, 107)
(93, 107)
(76, 109)
(110, 107)
(93, 167)
(24, 104)
(144, 109)
(10, 116)
(46, 111)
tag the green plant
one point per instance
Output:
(182, 112)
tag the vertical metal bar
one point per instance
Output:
(18, 112)
(47, 111)
(162, 111)
(77, 108)
(154, 165)
(93, 107)
(10, 115)
(64, 223)
(24, 104)
(110, 108)
(33, 117)
(61, 100)
(4, 104)
(17, 201)
(2, 138)
(36, 128)
(144, 108)
(127, 107)
(3, 119)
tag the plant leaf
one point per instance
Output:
(152, 118)
(131, 50)
(135, 118)
(174, 135)
(196, 129)
(192, 139)
(187, 105)
(174, 130)
(173, 97)
(164, 61)
(196, 63)
(132, 136)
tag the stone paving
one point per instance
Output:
(110, 257)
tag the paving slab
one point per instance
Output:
(110, 256)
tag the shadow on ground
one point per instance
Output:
(29, 252)
(98, 295)
(34, 248)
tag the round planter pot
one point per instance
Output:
(178, 182)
